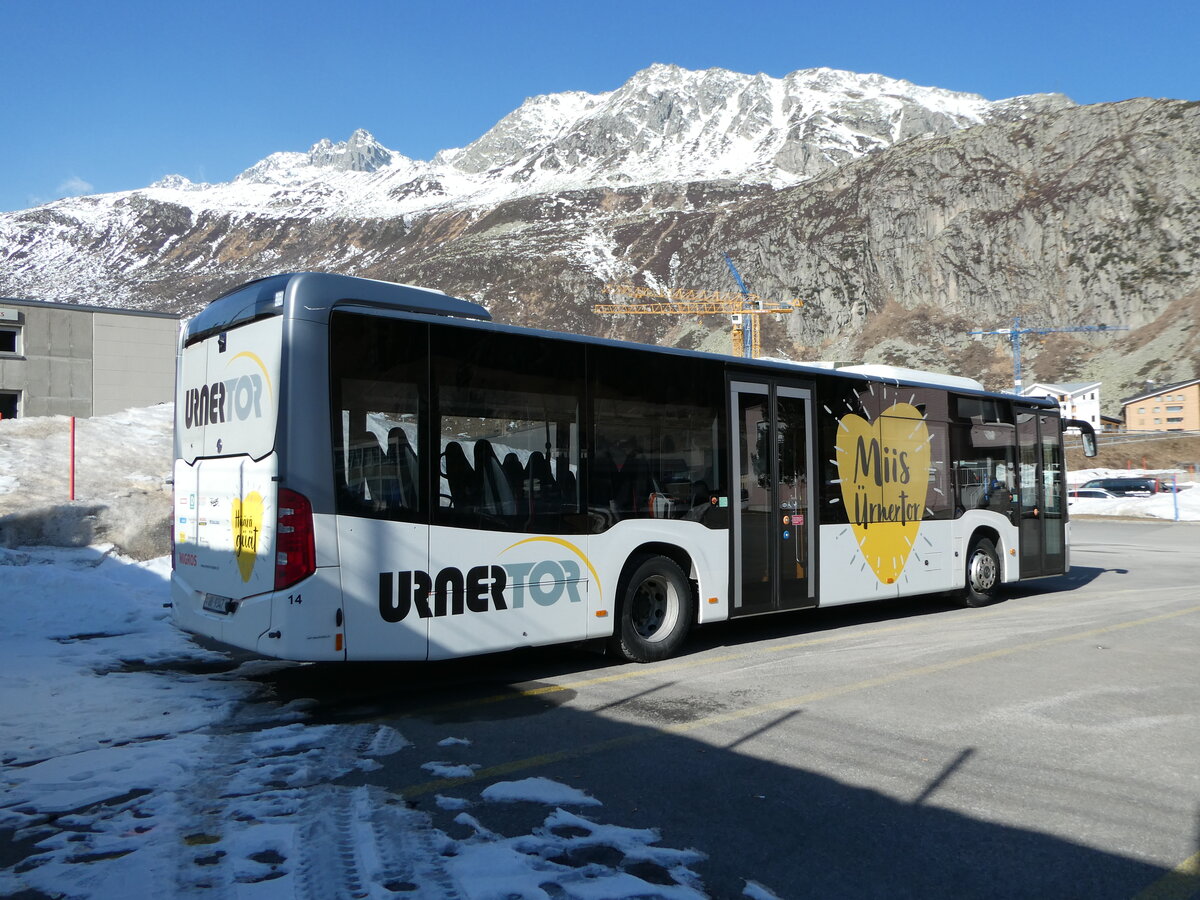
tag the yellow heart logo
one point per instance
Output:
(247, 530)
(883, 467)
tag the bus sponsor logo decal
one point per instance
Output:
(569, 546)
(234, 399)
(247, 530)
(483, 589)
(883, 467)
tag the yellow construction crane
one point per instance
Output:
(683, 301)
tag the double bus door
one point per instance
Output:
(773, 523)
(1042, 493)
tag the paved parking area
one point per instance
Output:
(1046, 746)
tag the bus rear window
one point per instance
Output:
(228, 398)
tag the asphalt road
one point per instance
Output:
(1047, 746)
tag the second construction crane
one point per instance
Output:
(743, 308)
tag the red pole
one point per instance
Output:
(72, 457)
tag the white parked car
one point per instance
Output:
(1088, 493)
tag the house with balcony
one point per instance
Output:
(1079, 400)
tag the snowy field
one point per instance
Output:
(136, 764)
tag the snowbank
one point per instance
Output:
(122, 465)
(1182, 505)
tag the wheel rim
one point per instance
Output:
(983, 571)
(655, 608)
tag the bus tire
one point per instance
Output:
(655, 610)
(983, 574)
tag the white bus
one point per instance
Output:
(368, 471)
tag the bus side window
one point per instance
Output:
(983, 448)
(507, 411)
(377, 377)
(657, 437)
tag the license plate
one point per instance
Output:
(218, 604)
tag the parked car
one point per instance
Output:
(1090, 493)
(1128, 487)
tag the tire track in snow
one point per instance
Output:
(261, 808)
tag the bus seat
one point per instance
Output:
(565, 479)
(538, 469)
(365, 468)
(515, 472)
(542, 489)
(495, 495)
(459, 476)
(402, 466)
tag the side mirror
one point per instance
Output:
(1086, 432)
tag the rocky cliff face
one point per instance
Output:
(903, 217)
(1083, 216)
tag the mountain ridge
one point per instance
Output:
(934, 220)
(664, 124)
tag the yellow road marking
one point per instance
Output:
(788, 703)
(1180, 883)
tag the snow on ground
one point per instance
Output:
(135, 763)
(1182, 505)
(122, 462)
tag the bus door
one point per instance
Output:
(1042, 493)
(773, 527)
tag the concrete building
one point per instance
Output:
(67, 359)
(1169, 407)
(1079, 400)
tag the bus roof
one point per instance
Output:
(277, 294)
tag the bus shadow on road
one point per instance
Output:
(800, 831)
(1078, 577)
(458, 688)
(789, 798)
(359, 691)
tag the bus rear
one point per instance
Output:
(256, 556)
(243, 539)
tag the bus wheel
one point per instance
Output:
(983, 574)
(655, 611)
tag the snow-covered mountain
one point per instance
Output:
(664, 124)
(903, 216)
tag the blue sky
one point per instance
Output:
(112, 96)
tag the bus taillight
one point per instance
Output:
(295, 554)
